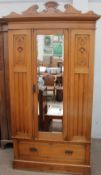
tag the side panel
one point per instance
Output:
(20, 82)
(4, 134)
(7, 94)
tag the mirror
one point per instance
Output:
(50, 69)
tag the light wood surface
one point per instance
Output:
(67, 151)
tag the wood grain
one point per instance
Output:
(80, 83)
(67, 151)
(5, 127)
(21, 91)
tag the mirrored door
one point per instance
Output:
(50, 81)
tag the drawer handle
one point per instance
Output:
(33, 149)
(69, 152)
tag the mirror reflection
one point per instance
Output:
(50, 69)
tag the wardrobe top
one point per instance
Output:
(51, 13)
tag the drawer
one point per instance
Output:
(59, 152)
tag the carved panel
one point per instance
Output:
(81, 53)
(20, 49)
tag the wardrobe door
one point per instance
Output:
(20, 82)
(81, 84)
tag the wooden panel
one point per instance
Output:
(3, 117)
(39, 151)
(7, 93)
(4, 134)
(52, 24)
(81, 62)
(20, 83)
(81, 84)
(52, 167)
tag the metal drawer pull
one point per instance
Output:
(33, 149)
(69, 152)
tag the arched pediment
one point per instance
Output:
(52, 12)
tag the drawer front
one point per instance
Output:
(52, 152)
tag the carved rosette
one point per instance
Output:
(82, 50)
(19, 46)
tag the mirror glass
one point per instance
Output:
(50, 70)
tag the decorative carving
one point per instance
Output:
(71, 10)
(51, 4)
(90, 13)
(82, 51)
(33, 9)
(13, 14)
(19, 47)
(51, 7)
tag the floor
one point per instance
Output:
(6, 157)
(96, 157)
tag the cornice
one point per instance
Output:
(51, 13)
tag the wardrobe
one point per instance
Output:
(59, 44)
